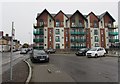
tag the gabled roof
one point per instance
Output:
(80, 14)
(93, 14)
(7, 38)
(39, 14)
(62, 13)
(103, 14)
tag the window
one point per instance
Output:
(50, 31)
(50, 21)
(62, 37)
(57, 31)
(73, 23)
(62, 44)
(57, 23)
(80, 23)
(66, 39)
(95, 24)
(101, 23)
(57, 46)
(96, 38)
(45, 44)
(41, 22)
(57, 39)
(50, 39)
(95, 32)
(62, 30)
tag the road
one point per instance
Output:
(82, 69)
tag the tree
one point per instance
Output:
(25, 45)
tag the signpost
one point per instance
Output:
(11, 51)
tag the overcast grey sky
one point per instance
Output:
(24, 14)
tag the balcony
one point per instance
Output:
(78, 40)
(38, 26)
(57, 47)
(78, 33)
(38, 40)
(96, 40)
(77, 26)
(38, 32)
(113, 33)
(113, 40)
(57, 40)
(112, 26)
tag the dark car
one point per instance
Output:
(50, 51)
(82, 52)
(39, 56)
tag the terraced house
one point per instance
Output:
(74, 31)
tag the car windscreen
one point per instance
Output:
(93, 49)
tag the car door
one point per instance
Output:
(99, 52)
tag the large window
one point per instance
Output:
(57, 23)
(95, 24)
(57, 31)
(80, 23)
(41, 22)
(96, 39)
(73, 23)
(95, 32)
(57, 39)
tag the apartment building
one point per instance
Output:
(74, 31)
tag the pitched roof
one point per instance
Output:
(94, 15)
(62, 13)
(103, 14)
(80, 14)
(39, 14)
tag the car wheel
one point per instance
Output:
(96, 55)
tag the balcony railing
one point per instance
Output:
(113, 33)
(38, 26)
(77, 26)
(38, 40)
(113, 40)
(57, 40)
(38, 32)
(78, 33)
(78, 40)
(112, 26)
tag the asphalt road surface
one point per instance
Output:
(83, 69)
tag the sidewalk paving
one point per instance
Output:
(20, 74)
(46, 72)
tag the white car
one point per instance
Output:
(95, 52)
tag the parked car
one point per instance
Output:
(39, 56)
(23, 51)
(50, 50)
(95, 52)
(82, 52)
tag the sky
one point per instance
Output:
(23, 14)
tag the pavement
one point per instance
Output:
(20, 74)
(48, 73)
